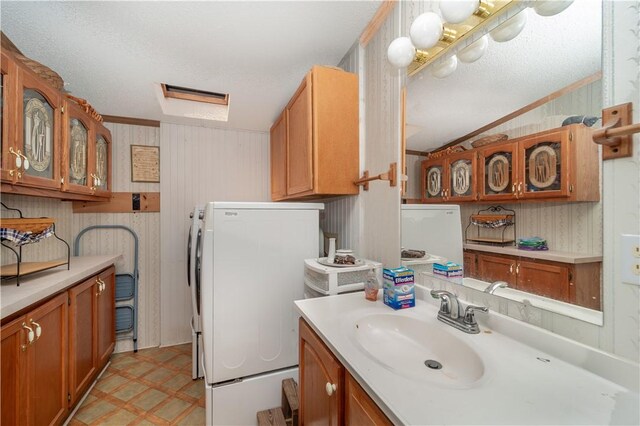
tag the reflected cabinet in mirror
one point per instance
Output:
(503, 177)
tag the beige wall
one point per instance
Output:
(200, 164)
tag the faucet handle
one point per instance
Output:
(446, 298)
(469, 317)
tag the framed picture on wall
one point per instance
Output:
(145, 163)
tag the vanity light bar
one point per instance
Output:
(455, 34)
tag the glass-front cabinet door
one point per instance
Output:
(433, 181)
(77, 138)
(461, 177)
(38, 135)
(498, 172)
(543, 163)
(9, 163)
(101, 176)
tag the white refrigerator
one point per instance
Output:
(434, 228)
(252, 269)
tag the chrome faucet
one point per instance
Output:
(451, 312)
(491, 288)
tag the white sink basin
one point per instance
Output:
(402, 344)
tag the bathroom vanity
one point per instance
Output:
(362, 360)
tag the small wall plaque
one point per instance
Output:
(145, 163)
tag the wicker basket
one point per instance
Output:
(34, 225)
(44, 72)
(488, 140)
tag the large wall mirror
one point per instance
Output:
(519, 172)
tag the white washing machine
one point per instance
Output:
(193, 281)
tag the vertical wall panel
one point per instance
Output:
(198, 165)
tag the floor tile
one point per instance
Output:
(129, 391)
(150, 388)
(172, 409)
(194, 418)
(177, 382)
(195, 389)
(93, 411)
(139, 368)
(120, 418)
(150, 399)
(158, 375)
(110, 383)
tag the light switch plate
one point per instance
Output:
(630, 258)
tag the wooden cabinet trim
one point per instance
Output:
(360, 409)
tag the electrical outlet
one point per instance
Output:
(630, 258)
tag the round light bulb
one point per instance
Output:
(426, 30)
(458, 11)
(401, 52)
(550, 7)
(474, 51)
(445, 68)
(510, 28)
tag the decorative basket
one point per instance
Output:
(44, 72)
(487, 140)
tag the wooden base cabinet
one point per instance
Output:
(577, 283)
(328, 394)
(52, 353)
(34, 366)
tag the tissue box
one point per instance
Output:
(449, 266)
(399, 291)
(448, 274)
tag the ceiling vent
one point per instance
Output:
(192, 103)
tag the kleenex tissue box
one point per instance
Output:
(399, 291)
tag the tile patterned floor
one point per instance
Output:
(151, 387)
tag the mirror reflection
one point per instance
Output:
(503, 179)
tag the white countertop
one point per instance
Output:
(41, 285)
(551, 255)
(516, 388)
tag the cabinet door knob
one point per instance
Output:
(511, 268)
(30, 335)
(520, 188)
(331, 388)
(38, 330)
(517, 269)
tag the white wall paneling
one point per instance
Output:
(146, 226)
(197, 165)
(414, 163)
(382, 87)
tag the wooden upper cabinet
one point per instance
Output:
(321, 139)
(8, 74)
(278, 147)
(461, 176)
(544, 166)
(321, 381)
(101, 176)
(559, 164)
(497, 165)
(434, 178)
(77, 150)
(300, 141)
(38, 119)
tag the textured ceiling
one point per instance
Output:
(550, 53)
(111, 53)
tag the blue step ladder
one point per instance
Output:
(126, 316)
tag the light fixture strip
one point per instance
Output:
(463, 32)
